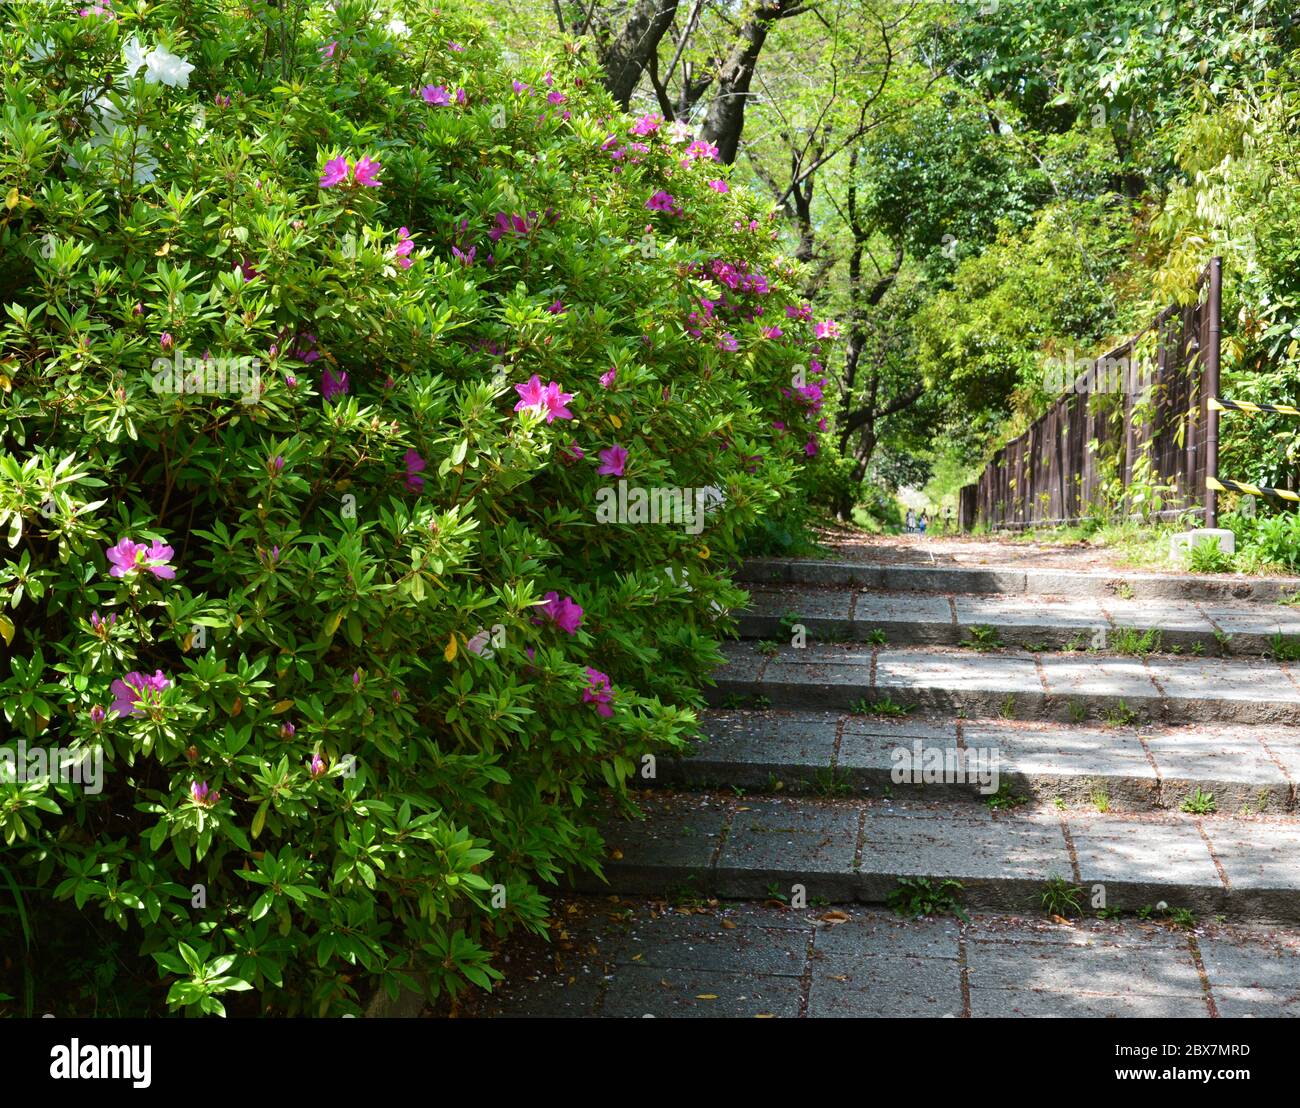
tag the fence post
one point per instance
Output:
(1214, 305)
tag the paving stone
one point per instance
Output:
(871, 933)
(637, 991)
(1005, 1003)
(1227, 690)
(1069, 762)
(825, 613)
(548, 997)
(747, 748)
(1067, 616)
(1284, 744)
(1146, 861)
(1000, 863)
(892, 988)
(741, 662)
(1087, 964)
(1179, 621)
(703, 943)
(905, 617)
(1253, 978)
(942, 580)
(867, 749)
(1262, 864)
(1259, 621)
(977, 683)
(789, 842)
(1100, 684)
(1227, 761)
(679, 837)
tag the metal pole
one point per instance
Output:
(1213, 306)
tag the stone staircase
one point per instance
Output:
(1014, 745)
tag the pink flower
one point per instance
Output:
(700, 149)
(317, 765)
(460, 96)
(336, 171)
(557, 308)
(828, 329)
(455, 46)
(414, 465)
(597, 692)
(332, 386)
(478, 643)
(662, 202)
(519, 87)
(572, 453)
(366, 173)
(607, 378)
(131, 557)
(327, 51)
(202, 795)
(612, 461)
(136, 689)
(466, 259)
(810, 447)
(646, 125)
(533, 394)
(772, 332)
(719, 185)
(564, 613)
(437, 95)
(165, 340)
(728, 342)
(404, 247)
(556, 98)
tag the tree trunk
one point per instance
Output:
(726, 118)
(625, 56)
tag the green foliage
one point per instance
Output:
(1131, 641)
(373, 740)
(919, 896)
(1199, 803)
(1060, 898)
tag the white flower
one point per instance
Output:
(166, 68)
(39, 51)
(134, 55)
(678, 131)
(397, 28)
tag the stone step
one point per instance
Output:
(1011, 580)
(1009, 684)
(1244, 768)
(635, 958)
(1036, 622)
(843, 851)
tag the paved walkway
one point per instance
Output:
(635, 958)
(915, 768)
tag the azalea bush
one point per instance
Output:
(325, 333)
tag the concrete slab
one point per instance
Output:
(1144, 862)
(1226, 690)
(640, 991)
(1227, 761)
(1100, 682)
(1000, 863)
(1070, 762)
(746, 749)
(782, 843)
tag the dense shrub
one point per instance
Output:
(349, 624)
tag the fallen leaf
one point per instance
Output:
(449, 654)
(729, 924)
(834, 917)
(706, 996)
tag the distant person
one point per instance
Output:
(923, 522)
(911, 521)
(947, 524)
